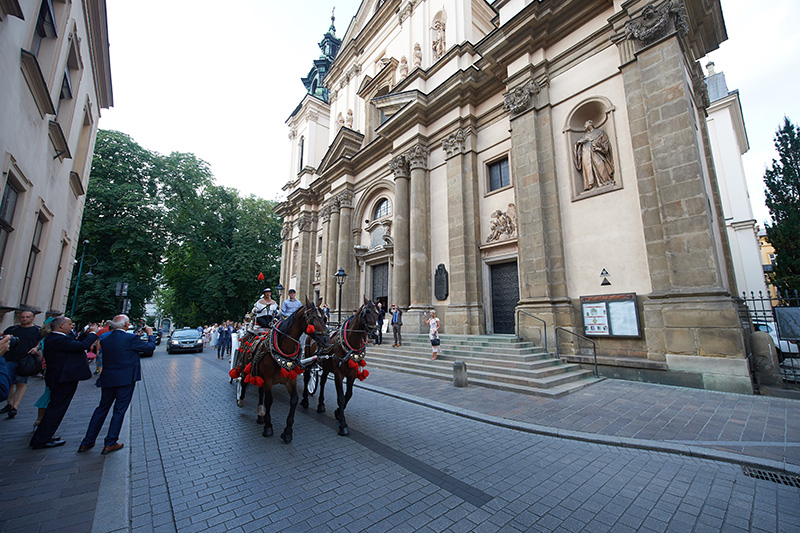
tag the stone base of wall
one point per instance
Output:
(467, 319)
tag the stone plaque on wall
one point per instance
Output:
(440, 283)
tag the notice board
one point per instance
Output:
(611, 315)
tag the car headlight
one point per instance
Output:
(199, 342)
(176, 343)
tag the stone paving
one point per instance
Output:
(199, 463)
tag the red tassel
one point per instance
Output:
(363, 362)
(260, 276)
(365, 373)
(352, 364)
(247, 379)
(259, 382)
(310, 329)
(248, 368)
(284, 373)
(234, 373)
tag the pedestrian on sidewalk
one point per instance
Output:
(5, 379)
(44, 399)
(224, 340)
(66, 366)
(28, 335)
(381, 317)
(121, 370)
(397, 323)
(433, 333)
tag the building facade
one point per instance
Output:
(522, 166)
(54, 77)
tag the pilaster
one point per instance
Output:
(324, 217)
(332, 253)
(345, 254)
(419, 237)
(400, 227)
(305, 271)
(286, 243)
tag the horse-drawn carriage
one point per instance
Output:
(273, 355)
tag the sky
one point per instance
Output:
(219, 79)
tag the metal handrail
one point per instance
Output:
(544, 335)
(594, 346)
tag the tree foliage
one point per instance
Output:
(162, 225)
(783, 200)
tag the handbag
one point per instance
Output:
(29, 365)
(435, 342)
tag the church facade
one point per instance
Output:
(521, 166)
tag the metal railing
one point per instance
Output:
(544, 326)
(762, 316)
(594, 346)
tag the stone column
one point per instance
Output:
(305, 270)
(542, 272)
(400, 228)
(419, 236)
(345, 254)
(690, 319)
(465, 314)
(325, 216)
(332, 253)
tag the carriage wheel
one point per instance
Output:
(313, 382)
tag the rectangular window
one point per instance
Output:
(7, 208)
(45, 26)
(498, 174)
(37, 237)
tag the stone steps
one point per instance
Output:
(508, 364)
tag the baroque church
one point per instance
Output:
(521, 166)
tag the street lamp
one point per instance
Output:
(341, 277)
(80, 270)
(278, 291)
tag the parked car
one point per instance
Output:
(785, 348)
(185, 340)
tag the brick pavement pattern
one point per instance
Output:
(199, 463)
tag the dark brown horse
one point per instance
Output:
(273, 357)
(344, 358)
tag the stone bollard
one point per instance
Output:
(766, 357)
(460, 374)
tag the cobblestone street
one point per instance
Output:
(199, 463)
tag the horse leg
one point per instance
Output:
(240, 399)
(291, 387)
(268, 407)
(306, 378)
(341, 402)
(260, 411)
(322, 380)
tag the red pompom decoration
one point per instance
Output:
(284, 373)
(248, 368)
(365, 373)
(234, 373)
(363, 362)
(259, 382)
(352, 364)
(310, 329)
(260, 276)
(247, 379)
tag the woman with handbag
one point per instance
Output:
(433, 322)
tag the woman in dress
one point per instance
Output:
(433, 322)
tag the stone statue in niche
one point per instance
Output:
(295, 259)
(340, 119)
(439, 45)
(593, 157)
(503, 223)
(349, 120)
(403, 68)
(417, 55)
(317, 269)
(440, 283)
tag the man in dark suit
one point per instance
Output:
(66, 366)
(121, 371)
(397, 323)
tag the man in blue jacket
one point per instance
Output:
(66, 366)
(121, 371)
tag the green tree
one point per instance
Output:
(122, 220)
(783, 200)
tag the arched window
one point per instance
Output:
(383, 209)
(300, 158)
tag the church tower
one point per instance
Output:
(329, 46)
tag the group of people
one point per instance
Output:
(220, 336)
(65, 364)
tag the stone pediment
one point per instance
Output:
(345, 145)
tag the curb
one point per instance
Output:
(113, 509)
(609, 440)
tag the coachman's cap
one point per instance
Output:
(267, 290)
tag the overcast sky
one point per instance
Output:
(219, 80)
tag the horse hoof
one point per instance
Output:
(260, 420)
(240, 403)
(267, 431)
(320, 408)
(344, 432)
(286, 437)
(304, 403)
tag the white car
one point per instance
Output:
(785, 348)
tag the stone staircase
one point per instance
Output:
(497, 361)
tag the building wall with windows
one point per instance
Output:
(533, 155)
(55, 78)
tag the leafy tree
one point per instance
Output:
(122, 221)
(783, 200)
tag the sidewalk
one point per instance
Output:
(758, 431)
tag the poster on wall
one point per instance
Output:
(610, 315)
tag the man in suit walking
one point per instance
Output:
(66, 366)
(397, 323)
(121, 371)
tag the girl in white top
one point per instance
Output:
(433, 322)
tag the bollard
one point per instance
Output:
(460, 374)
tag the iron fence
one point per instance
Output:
(762, 315)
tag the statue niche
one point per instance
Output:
(590, 138)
